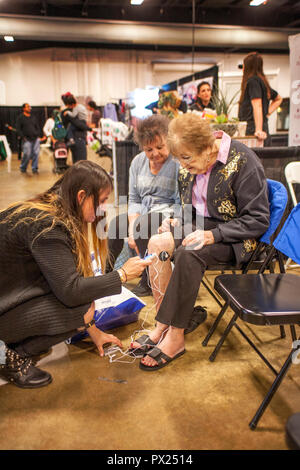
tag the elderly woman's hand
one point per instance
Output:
(197, 239)
(167, 224)
(132, 244)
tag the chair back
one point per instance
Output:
(292, 175)
(288, 239)
(278, 198)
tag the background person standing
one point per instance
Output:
(258, 100)
(28, 130)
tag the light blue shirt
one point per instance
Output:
(149, 192)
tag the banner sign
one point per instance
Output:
(294, 129)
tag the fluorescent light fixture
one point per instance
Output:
(256, 3)
(9, 38)
(136, 2)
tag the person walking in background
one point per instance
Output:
(28, 130)
(74, 118)
(258, 100)
(96, 114)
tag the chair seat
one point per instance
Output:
(292, 432)
(262, 299)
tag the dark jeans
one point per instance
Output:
(78, 150)
(144, 227)
(178, 303)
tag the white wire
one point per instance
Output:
(123, 356)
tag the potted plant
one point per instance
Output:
(223, 107)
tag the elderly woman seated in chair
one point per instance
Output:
(225, 208)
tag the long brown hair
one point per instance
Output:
(253, 65)
(61, 203)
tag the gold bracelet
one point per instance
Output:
(123, 275)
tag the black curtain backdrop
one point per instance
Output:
(9, 114)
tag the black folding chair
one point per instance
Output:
(259, 261)
(266, 299)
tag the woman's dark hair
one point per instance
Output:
(92, 104)
(201, 84)
(86, 175)
(150, 128)
(253, 65)
(61, 203)
(68, 99)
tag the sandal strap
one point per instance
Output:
(158, 355)
(144, 340)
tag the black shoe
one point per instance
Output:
(199, 316)
(142, 290)
(35, 172)
(22, 372)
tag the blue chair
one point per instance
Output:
(278, 198)
(266, 299)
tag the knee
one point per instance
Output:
(161, 242)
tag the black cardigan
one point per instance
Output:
(32, 267)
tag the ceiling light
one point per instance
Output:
(256, 3)
(9, 38)
(136, 2)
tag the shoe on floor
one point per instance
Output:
(22, 372)
(199, 316)
(35, 172)
(142, 290)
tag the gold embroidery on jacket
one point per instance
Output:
(227, 209)
(249, 245)
(184, 180)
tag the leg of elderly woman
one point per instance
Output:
(176, 308)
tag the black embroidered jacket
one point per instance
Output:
(237, 196)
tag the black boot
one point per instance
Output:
(22, 372)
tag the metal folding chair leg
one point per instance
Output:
(213, 355)
(271, 392)
(214, 325)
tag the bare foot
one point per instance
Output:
(172, 344)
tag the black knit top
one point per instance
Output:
(33, 266)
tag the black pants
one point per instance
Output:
(40, 323)
(178, 303)
(78, 150)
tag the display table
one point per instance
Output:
(250, 141)
(7, 150)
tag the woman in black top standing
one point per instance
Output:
(258, 100)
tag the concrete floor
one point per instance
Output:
(190, 404)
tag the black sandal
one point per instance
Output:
(146, 344)
(158, 355)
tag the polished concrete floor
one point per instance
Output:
(190, 404)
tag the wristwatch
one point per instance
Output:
(89, 324)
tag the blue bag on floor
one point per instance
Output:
(113, 311)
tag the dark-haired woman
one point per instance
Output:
(258, 100)
(47, 284)
(204, 99)
(153, 193)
